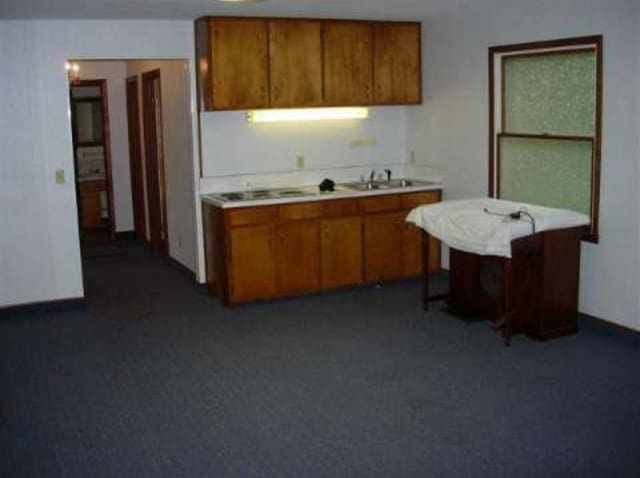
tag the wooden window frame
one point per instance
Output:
(566, 45)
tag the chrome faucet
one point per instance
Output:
(372, 176)
(388, 171)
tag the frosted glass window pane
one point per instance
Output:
(553, 173)
(550, 94)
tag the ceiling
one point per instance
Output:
(190, 9)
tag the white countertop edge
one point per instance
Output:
(210, 199)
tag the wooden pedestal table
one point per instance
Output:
(534, 292)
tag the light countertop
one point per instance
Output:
(311, 193)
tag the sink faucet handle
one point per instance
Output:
(372, 176)
(388, 171)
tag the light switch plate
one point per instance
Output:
(59, 176)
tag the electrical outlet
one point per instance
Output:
(300, 162)
(59, 176)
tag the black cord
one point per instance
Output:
(516, 216)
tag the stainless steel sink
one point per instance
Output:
(288, 192)
(368, 186)
(401, 183)
(393, 184)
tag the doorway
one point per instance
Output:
(135, 160)
(154, 161)
(92, 160)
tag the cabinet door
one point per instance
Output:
(298, 257)
(91, 208)
(295, 52)
(341, 252)
(397, 63)
(348, 63)
(383, 238)
(252, 263)
(412, 252)
(239, 63)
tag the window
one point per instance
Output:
(545, 124)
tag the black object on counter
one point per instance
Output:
(327, 185)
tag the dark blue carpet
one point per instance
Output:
(155, 379)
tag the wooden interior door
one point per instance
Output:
(298, 257)
(383, 237)
(154, 161)
(397, 63)
(240, 72)
(348, 63)
(341, 252)
(135, 160)
(295, 60)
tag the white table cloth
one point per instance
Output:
(467, 226)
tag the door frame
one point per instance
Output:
(106, 144)
(136, 169)
(154, 164)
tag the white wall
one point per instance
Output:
(115, 72)
(235, 152)
(39, 245)
(450, 131)
(177, 151)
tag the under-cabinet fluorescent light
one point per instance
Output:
(310, 114)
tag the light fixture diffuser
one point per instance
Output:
(307, 114)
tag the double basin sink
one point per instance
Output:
(257, 194)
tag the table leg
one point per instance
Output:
(507, 327)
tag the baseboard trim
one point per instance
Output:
(39, 308)
(603, 327)
(184, 269)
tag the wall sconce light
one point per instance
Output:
(73, 71)
(310, 114)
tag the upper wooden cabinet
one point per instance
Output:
(348, 63)
(397, 63)
(295, 61)
(235, 63)
(246, 63)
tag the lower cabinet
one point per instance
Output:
(412, 251)
(341, 252)
(251, 263)
(265, 252)
(383, 249)
(298, 257)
